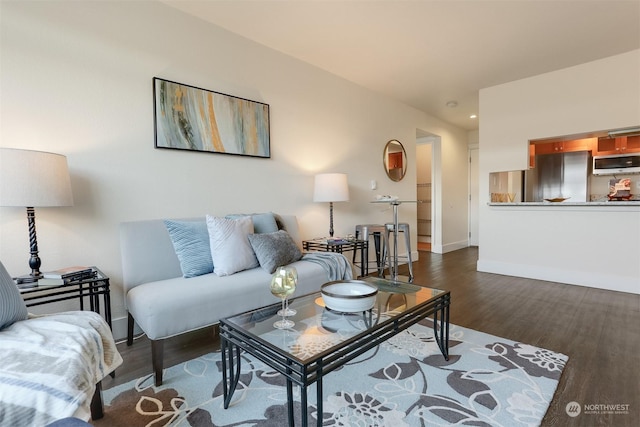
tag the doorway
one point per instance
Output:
(424, 191)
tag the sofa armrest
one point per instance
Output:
(147, 253)
(290, 223)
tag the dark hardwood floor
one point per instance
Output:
(599, 331)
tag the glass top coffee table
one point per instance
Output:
(322, 340)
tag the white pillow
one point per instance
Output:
(230, 248)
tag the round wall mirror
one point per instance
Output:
(395, 160)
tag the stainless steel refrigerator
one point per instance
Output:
(559, 175)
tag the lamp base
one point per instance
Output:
(330, 219)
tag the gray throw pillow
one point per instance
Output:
(274, 249)
(12, 306)
(191, 242)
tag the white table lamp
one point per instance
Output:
(331, 187)
(33, 179)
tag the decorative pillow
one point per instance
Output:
(274, 249)
(262, 222)
(191, 242)
(230, 248)
(12, 306)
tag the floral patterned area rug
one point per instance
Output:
(405, 381)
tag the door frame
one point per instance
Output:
(474, 193)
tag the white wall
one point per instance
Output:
(423, 158)
(598, 247)
(76, 80)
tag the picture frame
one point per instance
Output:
(195, 119)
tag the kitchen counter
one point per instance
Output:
(568, 204)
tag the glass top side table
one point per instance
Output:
(340, 246)
(91, 288)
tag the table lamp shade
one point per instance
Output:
(331, 187)
(34, 179)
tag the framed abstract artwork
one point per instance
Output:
(195, 119)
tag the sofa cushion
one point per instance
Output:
(230, 248)
(274, 249)
(173, 306)
(262, 222)
(12, 306)
(191, 242)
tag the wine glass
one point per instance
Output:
(289, 311)
(283, 284)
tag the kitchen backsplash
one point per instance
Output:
(599, 186)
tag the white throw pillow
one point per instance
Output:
(230, 248)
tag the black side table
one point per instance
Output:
(91, 287)
(340, 246)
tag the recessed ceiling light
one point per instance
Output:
(452, 104)
(473, 116)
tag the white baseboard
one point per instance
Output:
(570, 277)
(449, 247)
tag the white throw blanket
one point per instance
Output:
(335, 264)
(49, 366)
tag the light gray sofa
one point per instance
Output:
(165, 304)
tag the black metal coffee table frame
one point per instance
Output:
(305, 373)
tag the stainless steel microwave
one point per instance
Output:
(616, 164)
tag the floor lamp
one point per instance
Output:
(331, 187)
(33, 179)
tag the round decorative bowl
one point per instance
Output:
(348, 296)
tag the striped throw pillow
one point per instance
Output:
(191, 242)
(12, 306)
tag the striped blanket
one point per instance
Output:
(50, 366)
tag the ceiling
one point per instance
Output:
(426, 53)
